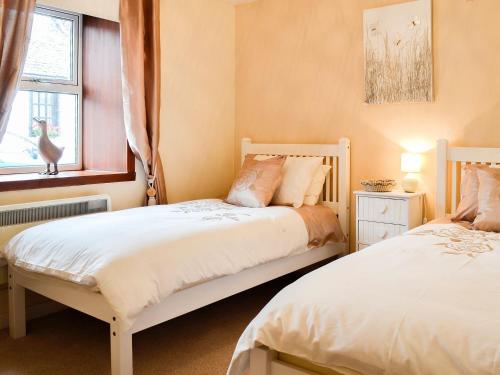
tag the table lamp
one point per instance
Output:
(410, 164)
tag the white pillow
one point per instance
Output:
(298, 173)
(316, 187)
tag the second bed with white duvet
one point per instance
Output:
(426, 302)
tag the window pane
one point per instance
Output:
(50, 51)
(19, 147)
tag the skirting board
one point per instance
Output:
(37, 308)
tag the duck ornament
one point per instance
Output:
(50, 153)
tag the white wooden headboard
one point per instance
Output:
(453, 158)
(337, 190)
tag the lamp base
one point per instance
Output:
(410, 184)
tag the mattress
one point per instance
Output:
(426, 302)
(140, 256)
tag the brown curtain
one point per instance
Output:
(140, 48)
(16, 18)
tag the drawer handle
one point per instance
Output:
(383, 234)
(383, 209)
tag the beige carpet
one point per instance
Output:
(199, 343)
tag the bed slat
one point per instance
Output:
(328, 187)
(333, 179)
(453, 187)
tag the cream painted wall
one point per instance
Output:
(197, 106)
(299, 78)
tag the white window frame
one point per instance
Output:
(73, 86)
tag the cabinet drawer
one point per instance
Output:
(383, 210)
(370, 232)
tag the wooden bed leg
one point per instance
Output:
(121, 350)
(260, 361)
(17, 308)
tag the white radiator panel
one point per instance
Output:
(17, 217)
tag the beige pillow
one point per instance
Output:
(257, 181)
(488, 214)
(298, 173)
(315, 189)
(467, 208)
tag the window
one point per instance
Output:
(71, 81)
(50, 90)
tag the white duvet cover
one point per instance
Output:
(427, 302)
(137, 257)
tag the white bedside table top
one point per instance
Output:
(391, 194)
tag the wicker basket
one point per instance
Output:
(382, 186)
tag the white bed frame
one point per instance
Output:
(336, 196)
(449, 161)
(265, 361)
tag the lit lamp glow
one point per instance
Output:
(410, 164)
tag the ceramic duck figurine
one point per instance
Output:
(50, 152)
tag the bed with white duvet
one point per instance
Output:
(137, 268)
(427, 302)
(138, 257)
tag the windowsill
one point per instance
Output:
(25, 181)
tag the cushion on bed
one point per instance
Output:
(488, 215)
(467, 208)
(257, 181)
(315, 189)
(298, 173)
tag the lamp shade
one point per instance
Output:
(411, 163)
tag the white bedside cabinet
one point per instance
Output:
(380, 216)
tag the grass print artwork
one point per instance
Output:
(398, 53)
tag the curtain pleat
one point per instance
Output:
(140, 49)
(16, 19)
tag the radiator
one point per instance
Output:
(17, 217)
